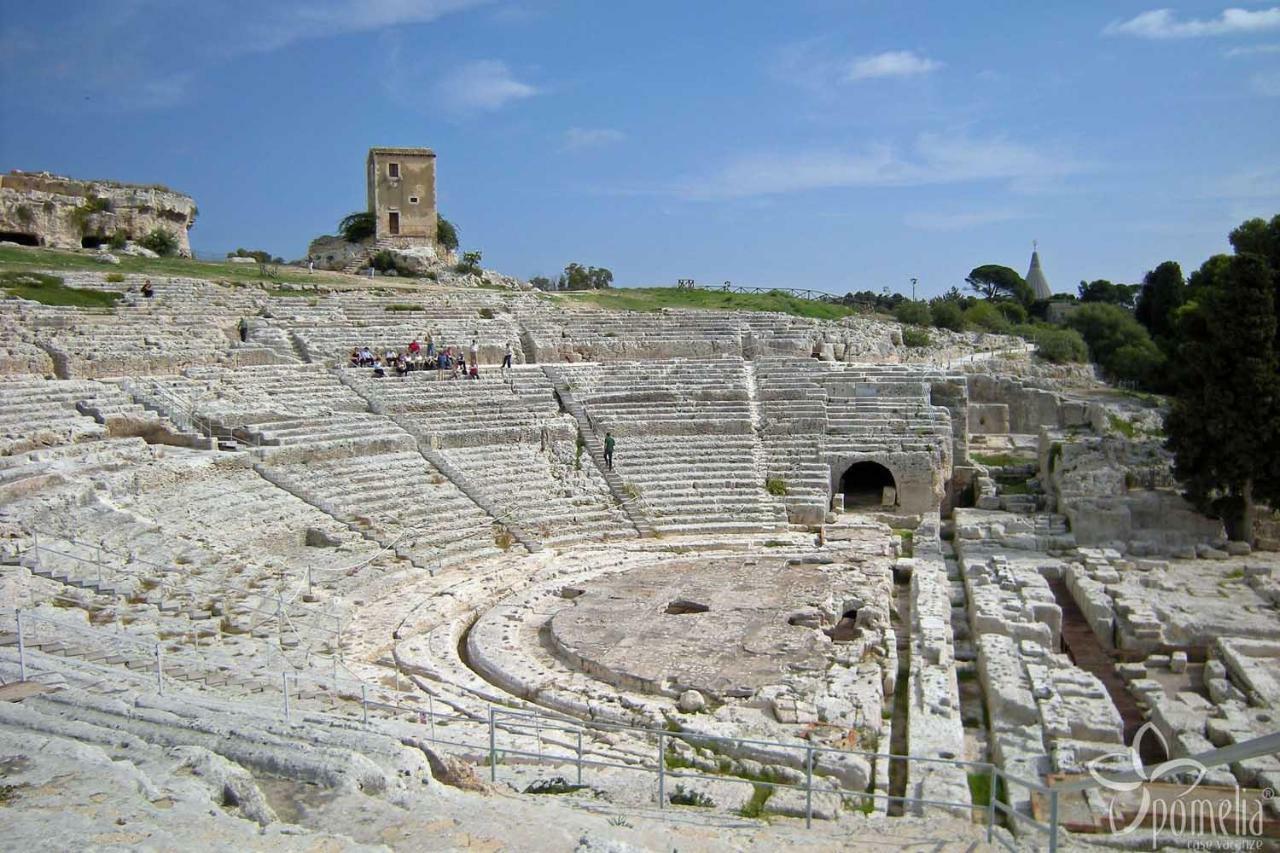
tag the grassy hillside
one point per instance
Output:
(657, 298)
(50, 290)
(25, 258)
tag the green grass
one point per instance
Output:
(657, 298)
(1121, 425)
(30, 258)
(908, 537)
(404, 306)
(754, 807)
(1015, 488)
(50, 290)
(980, 791)
(776, 486)
(998, 460)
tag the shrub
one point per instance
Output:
(913, 312)
(260, 255)
(355, 227)
(470, 262)
(947, 314)
(913, 337)
(486, 313)
(160, 241)
(986, 316)
(775, 486)
(446, 233)
(1012, 311)
(118, 240)
(1118, 343)
(24, 213)
(115, 277)
(503, 539)
(683, 796)
(1060, 345)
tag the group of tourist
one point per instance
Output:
(418, 356)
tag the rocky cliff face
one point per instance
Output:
(40, 209)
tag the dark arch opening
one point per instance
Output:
(864, 483)
(93, 241)
(20, 238)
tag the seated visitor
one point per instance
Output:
(414, 347)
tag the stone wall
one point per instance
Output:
(43, 208)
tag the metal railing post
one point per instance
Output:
(22, 650)
(35, 544)
(431, 715)
(493, 748)
(579, 756)
(991, 806)
(808, 787)
(662, 770)
(284, 677)
(159, 670)
(364, 702)
(1053, 821)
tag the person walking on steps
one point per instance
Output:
(506, 357)
(608, 450)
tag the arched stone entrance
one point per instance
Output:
(868, 484)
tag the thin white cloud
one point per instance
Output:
(1164, 24)
(1248, 185)
(959, 220)
(74, 61)
(931, 159)
(1266, 84)
(276, 25)
(481, 86)
(580, 138)
(891, 63)
(1255, 50)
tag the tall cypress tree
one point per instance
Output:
(1224, 423)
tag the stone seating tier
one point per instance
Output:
(398, 498)
(543, 492)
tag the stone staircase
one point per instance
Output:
(595, 446)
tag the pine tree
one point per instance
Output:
(1224, 424)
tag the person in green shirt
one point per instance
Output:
(608, 450)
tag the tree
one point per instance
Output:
(992, 281)
(917, 313)
(260, 255)
(1163, 292)
(947, 314)
(542, 282)
(358, 226)
(986, 316)
(470, 262)
(1224, 422)
(578, 277)
(1262, 238)
(1101, 290)
(1118, 343)
(446, 233)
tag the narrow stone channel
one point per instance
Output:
(899, 742)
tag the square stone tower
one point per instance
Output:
(402, 195)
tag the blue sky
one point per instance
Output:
(817, 143)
